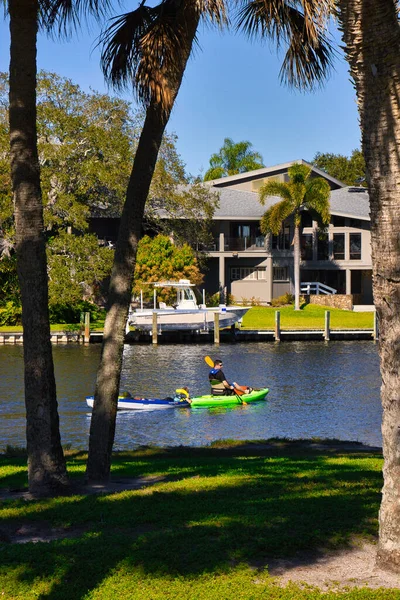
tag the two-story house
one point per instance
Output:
(242, 263)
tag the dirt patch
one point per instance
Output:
(354, 567)
(112, 487)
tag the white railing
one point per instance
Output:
(315, 287)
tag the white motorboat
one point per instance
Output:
(186, 314)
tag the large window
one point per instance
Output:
(248, 273)
(323, 246)
(281, 274)
(306, 220)
(306, 246)
(355, 246)
(282, 241)
(338, 246)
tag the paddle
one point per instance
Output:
(209, 361)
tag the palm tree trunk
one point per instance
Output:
(102, 427)
(372, 37)
(46, 465)
(296, 244)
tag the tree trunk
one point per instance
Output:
(46, 465)
(102, 427)
(372, 37)
(296, 243)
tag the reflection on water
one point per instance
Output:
(316, 389)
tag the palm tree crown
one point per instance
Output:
(298, 193)
(232, 159)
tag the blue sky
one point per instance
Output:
(231, 89)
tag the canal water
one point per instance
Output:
(317, 389)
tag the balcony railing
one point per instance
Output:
(315, 287)
(211, 246)
(245, 244)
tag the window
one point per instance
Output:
(338, 246)
(306, 248)
(355, 246)
(323, 246)
(248, 273)
(306, 220)
(282, 241)
(281, 274)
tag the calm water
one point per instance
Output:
(316, 389)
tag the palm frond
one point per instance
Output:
(299, 173)
(299, 24)
(142, 48)
(66, 16)
(274, 188)
(215, 11)
(317, 197)
(307, 63)
(273, 218)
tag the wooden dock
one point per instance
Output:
(226, 336)
(217, 335)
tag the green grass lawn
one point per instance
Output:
(309, 317)
(206, 530)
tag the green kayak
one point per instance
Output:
(209, 401)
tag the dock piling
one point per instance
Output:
(154, 329)
(375, 334)
(277, 326)
(86, 335)
(216, 328)
(327, 334)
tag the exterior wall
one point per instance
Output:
(247, 290)
(280, 288)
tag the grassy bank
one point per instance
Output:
(207, 529)
(309, 317)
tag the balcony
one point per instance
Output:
(245, 244)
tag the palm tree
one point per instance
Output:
(150, 47)
(232, 159)
(46, 464)
(371, 35)
(299, 193)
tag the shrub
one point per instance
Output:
(284, 300)
(213, 300)
(71, 313)
(10, 314)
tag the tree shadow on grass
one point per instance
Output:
(238, 509)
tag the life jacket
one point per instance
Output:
(217, 387)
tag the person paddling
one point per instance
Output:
(220, 385)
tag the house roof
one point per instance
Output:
(265, 171)
(351, 202)
(237, 204)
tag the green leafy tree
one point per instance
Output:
(150, 47)
(349, 169)
(77, 268)
(233, 158)
(87, 142)
(299, 193)
(159, 259)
